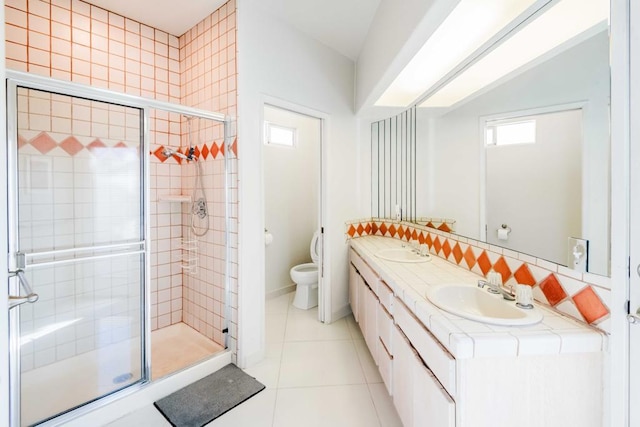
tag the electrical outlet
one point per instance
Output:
(578, 254)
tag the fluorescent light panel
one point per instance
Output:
(559, 24)
(471, 24)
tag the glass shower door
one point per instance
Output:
(76, 251)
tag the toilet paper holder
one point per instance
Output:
(503, 232)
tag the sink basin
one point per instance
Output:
(401, 255)
(473, 303)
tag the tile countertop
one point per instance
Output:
(556, 334)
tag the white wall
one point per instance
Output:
(291, 196)
(277, 61)
(579, 74)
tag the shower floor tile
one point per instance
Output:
(176, 347)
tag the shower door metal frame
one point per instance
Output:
(15, 79)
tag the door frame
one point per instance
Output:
(617, 360)
(324, 291)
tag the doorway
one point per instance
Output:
(292, 196)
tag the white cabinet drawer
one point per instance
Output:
(385, 365)
(436, 357)
(432, 406)
(353, 290)
(370, 317)
(386, 296)
(365, 271)
(385, 328)
(403, 377)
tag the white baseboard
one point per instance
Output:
(342, 312)
(282, 291)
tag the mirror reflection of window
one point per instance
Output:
(534, 183)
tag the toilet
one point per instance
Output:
(305, 276)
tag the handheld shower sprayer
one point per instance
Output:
(168, 152)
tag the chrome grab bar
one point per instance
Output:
(139, 244)
(31, 296)
(85, 258)
(28, 260)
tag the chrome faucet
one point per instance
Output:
(495, 288)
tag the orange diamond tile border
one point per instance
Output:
(205, 151)
(553, 290)
(360, 229)
(383, 228)
(234, 147)
(457, 253)
(590, 305)
(484, 263)
(214, 150)
(71, 146)
(43, 142)
(469, 258)
(437, 245)
(159, 155)
(523, 276)
(352, 231)
(392, 230)
(502, 267)
(446, 248)
(444, 227)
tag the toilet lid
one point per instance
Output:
(314, 249)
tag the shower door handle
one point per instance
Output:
(31, 297)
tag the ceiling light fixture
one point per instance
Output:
(567, 20)
(470, 25)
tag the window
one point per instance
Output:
(510, 132)
(280, 135)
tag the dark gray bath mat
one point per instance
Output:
(205, 400)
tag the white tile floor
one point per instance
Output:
(316, 375)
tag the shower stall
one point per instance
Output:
(121, 241)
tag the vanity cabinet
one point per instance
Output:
(403, 355)
(528, 378)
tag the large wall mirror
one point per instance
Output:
(529, 153)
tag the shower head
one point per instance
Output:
(168, 152)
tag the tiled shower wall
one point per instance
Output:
(72, 40)
(208, 82)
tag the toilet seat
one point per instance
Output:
(313, 248)
(305, 276)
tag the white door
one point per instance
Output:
(76, 252)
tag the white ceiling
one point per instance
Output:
(167, 15)
(340, 24)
